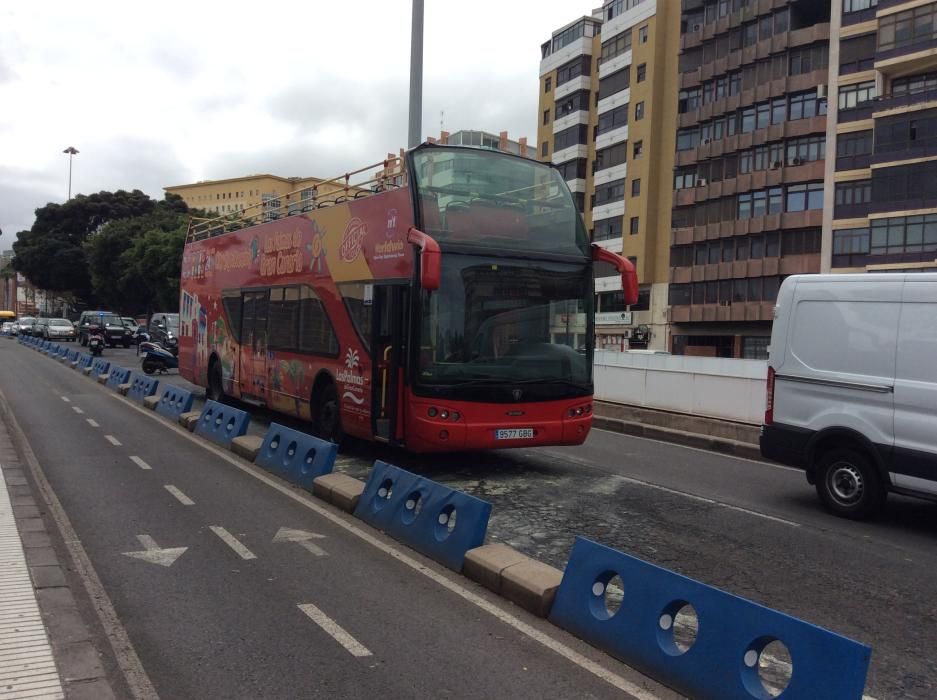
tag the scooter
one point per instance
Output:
(96, 342)
(156, 358)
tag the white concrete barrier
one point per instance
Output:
(701, 386)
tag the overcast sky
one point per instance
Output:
(170, 93)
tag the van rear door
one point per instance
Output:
(915, 455)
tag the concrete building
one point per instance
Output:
(881, 189)
(749, 177)
(606, 118)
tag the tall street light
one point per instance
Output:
(72, 152)
(416, 75)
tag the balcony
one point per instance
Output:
(903, 205)
(854, 162)
(906, 99)
(923, 44)
(857, 113)
(851, 18)
(852, 211)
(907, 150)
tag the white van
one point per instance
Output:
(852, 386)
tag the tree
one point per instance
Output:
(152, 266)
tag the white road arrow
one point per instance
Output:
(154, 554)
(303, 539)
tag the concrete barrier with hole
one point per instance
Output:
(699, 640)
(295, 456)
(174, 402)
(431, 518)
(117, 376)
(84, 362)
(221, 424)
(99, 367)
(141, 386)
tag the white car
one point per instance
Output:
(7, 328)
(852, 387)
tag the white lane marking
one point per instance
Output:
(232, 542)
(554, 645)
(684, 494)
(77, 410)
(140, 463)
(92, 422)
(154, 554)
(111, 439)
(759, 462)
(303, 539)
(181, 497)
(334, 630)
(66, 399)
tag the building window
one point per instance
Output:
(808, 196)
(548, 84)
(856, 192)
(573, 136)
(854, 95)
(573, 169)
(805, 105)
(612, 119)
(907, 28)
(641, 73)
(636, 187)
(544, 148)
(615, 46)
(635, 223)
(858, 5)
(614, 83)
(546, 116)
(638, 149)
(608, 228)
(609, 192)
(642, 34)
(639, 111)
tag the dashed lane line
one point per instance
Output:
(181, 497)
(140, 463)
(232, 542)
(114, 441)
(334, 630)
(65, 399)
(93, 423)
(77, 410)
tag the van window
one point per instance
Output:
(851, 337)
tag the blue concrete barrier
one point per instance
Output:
(221, 424)
(174, 402)
(431, 518)
(73, 355)
(99, 367)
(62, 352)
(722, 663)
(84, 360)
(296, 456)
(142, 386)
(117, 376)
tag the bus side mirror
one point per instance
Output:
(629, 276)
(430, 258)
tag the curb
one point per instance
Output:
(732, 448)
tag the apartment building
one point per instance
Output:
(607, 110)
(881, 189)
(749, 177)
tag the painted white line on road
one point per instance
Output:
(140, 463)
(334, 630)
(114, 441)
(181, 497)
(92, 422)
(66, 399)
(636, 691)
(232, 542)
(77, 410)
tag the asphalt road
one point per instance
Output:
(748, 527)
(239, 614)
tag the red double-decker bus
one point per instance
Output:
(446, 307)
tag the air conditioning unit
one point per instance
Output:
(798, 161)
(775, 165)
(702, 182)
(821, 90)
(697, 27)
(705, 141)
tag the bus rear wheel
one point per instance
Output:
(327, 421)
(215, 389)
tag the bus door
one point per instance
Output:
(252, 363)
(388, 344)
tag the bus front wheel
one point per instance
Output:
(327, 421)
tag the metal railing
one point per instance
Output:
(324, 193)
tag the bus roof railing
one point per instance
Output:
(338, 189)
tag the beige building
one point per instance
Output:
(607, 116)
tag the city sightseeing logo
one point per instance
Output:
(353, 382)
(352, 240)
(351, 359)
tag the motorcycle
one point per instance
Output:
(96, 342)
(156, 358)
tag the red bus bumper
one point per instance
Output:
(475, 426)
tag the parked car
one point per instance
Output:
(59, 329)
(38, 328)
(7, 328)
(164, 329)
(24, 325)
(110, 324)
(852, 387)
(129, 322)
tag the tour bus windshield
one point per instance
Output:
(482, 197)
(497, 320)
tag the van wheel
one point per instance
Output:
(327, 421)
(848, 485)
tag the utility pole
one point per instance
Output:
(416, 75)
(72, 152)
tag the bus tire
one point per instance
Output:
(327, 419)
(215, 389)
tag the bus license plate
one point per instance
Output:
(514, 434)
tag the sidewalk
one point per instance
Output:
(727, 437)
(46, 648)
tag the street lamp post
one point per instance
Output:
(416, 75)
(72, 152)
